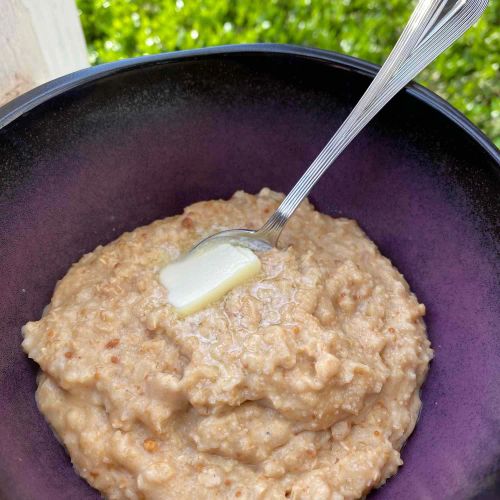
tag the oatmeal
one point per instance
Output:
(299, 383)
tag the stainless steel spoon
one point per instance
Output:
(433, 27)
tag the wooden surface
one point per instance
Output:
(40, 40)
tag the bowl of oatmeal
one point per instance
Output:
(304, 382)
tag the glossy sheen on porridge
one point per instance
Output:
(302, 383)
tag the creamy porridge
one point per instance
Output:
(301, 383)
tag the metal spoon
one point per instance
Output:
(433, 27)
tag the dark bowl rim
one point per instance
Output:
(29, 100)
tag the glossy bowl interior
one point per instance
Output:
(108, 149)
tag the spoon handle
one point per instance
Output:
(433, 26)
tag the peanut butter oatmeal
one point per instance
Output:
(301, 383)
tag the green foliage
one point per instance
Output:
(465, 74)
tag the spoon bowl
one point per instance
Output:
(250, 238)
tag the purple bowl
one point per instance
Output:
(107, 149)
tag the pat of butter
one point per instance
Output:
(204, 276)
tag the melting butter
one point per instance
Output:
(206, 275)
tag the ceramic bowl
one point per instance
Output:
(110, 148)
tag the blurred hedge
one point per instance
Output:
(465, 75)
